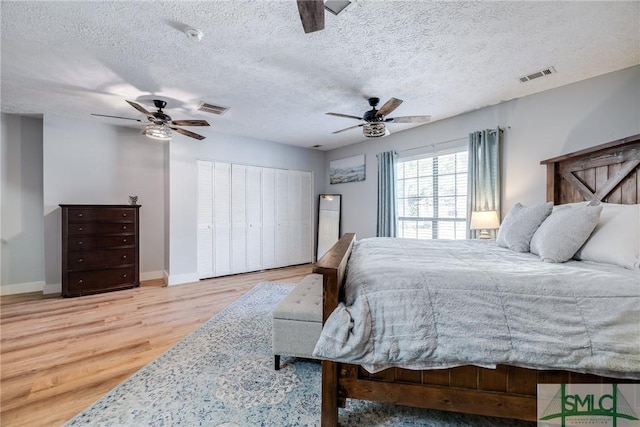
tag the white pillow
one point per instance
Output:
(519, 224)
(616, 238)
(561, 235)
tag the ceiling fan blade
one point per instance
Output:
(349, 128)
(348, 116)
(311, 15)
(188, 133)
(190, 123)
(409, 119)
(141, 109)
(116, 117)
(388, 107)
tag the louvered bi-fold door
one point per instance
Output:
(238, 218)
(282, 217)
(205, 220)
(254, 219)
(268, 218)
(306, 217)
(214, 214)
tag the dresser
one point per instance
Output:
(100, 248)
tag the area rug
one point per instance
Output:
(222, 375)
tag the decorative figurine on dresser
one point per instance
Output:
(100, 248)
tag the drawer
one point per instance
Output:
(96, 241)
(88, 282)
(100, 258)
(113, 214)
(80, 229)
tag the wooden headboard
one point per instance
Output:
(608, 172)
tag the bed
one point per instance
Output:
(605, 173)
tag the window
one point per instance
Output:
(432, 197)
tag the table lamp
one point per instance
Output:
(484, 221)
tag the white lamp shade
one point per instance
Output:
(484, 220)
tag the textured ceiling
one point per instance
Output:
(442, 58)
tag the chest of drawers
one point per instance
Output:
(100, 248)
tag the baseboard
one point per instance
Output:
(22, 288)
(52, 288)
(179, 279)
(151, 275)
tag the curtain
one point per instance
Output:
(387, 194)
(484, 175)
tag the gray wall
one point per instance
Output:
(93, 163)
(22, 228)
(538, 127)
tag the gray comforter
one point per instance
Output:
(437, 304)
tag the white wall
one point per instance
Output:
(182, 265)
(93, 163)
(538, 127)
(22, 225)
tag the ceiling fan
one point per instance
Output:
(161, 123)
(375, 120)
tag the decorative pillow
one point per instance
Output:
(518, 226)
(616, 238)
(561, 235)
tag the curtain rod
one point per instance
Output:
(464, 138)
(435, 144)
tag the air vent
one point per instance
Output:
(537, 74)
(211, 108)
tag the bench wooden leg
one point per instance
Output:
(276, 361)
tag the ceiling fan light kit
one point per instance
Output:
(157, 132)
(375, 130)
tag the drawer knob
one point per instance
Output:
(80, 228)
(80, 281)
(124, 227)
(124, 257)
(80, 214)
(124, 214)
(80, 260)
(124, 240)
(80, 243)
(124, 275)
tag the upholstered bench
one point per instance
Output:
(297, 320)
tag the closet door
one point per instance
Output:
(306, 217)
(222, 219)
(238, 218)
(282, 217)
(205, 220)
(294, 205)
(268, 218)
(253, 245)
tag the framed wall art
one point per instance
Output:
(349, 169)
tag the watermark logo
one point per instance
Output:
(593, 405)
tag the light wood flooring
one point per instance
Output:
(59, 355)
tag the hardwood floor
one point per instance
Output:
(59, 355)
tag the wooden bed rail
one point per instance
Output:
(333, 267)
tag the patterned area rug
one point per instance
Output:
(222, 375)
